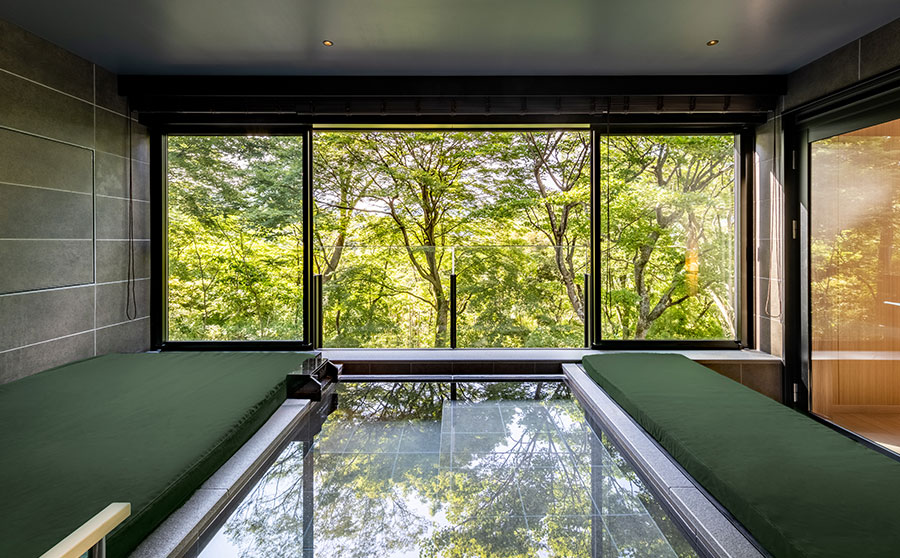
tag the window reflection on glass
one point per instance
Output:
(235, 238)
(506, 470)
(667, 220)
(855, 278)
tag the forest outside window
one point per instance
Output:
(403, 219)
(668, 221)
(507, 213)
(235, 238)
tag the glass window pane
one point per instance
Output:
(398, 212)
(855, 278)
(235, 238)
(522, 296)
(668, 227)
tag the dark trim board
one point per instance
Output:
(460, 378)
(310, 326)
(745, 249)
(142, 86)
(236, 346)
(854, 436)
(275, 101)
(665, 344)
(271, 122)
(852, 99)
(158, 234)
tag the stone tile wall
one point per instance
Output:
(64, 206)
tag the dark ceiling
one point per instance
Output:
(451, 37)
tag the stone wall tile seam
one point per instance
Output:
(36, 343)
(119, 239)
(43, 137)
(100, 284)
(44, 85)
(136, 200)
(117, 113)
(5, 183)
(33, 239)
(46, 289)
(126, 322)
(98, 150)
(92, 330)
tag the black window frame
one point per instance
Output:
(159, 240)
(867, 104)
(598, 126)
(744, 253)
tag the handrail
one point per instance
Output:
(92, 532)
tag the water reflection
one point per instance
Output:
(505, 470)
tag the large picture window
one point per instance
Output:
(434, 238)
(235, 238)
(668, 226)
(400, 212)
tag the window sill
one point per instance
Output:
(532, 355)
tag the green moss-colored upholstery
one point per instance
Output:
(147, 429)
(800, 488)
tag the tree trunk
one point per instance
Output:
(641, 259)
(441, 304)
(568, 279)
(335, 258)
(442, 319)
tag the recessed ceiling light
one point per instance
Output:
(326, 42)
(713, 42)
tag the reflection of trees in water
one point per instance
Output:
(424, 400)
(518, 494)
(359, 510)
(269, 521)
(624, 475)
(521, 492)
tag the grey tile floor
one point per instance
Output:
(492, 478)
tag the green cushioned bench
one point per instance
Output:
(147, 429)
(800, 488)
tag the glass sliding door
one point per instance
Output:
(855, 281)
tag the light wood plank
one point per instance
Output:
(881, 428)
(82, 539)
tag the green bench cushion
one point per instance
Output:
(800, 488)
(147, 429)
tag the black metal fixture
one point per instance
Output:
(312, 378)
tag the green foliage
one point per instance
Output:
(476, 202)
(235, 238)
(669, 205)
(397, 212)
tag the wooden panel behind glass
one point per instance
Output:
(855, 271)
